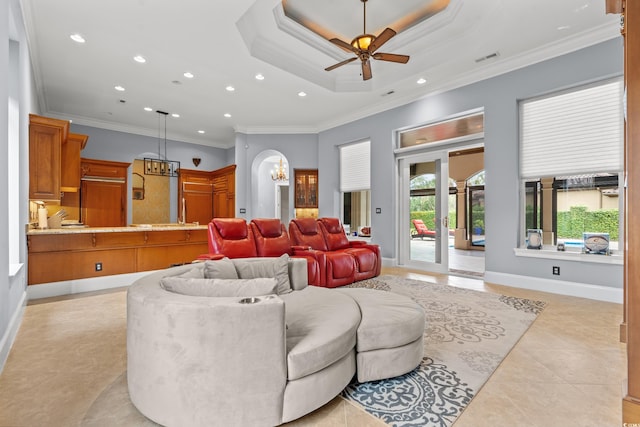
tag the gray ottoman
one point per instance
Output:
(390, 335)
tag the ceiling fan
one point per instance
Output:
(365, 47)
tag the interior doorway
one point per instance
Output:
(282, 203)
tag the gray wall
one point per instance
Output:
(13, 288)
(299, 150)
(499, 97)
(117, 146)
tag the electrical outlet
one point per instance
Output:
(98, 266)
(556, 270)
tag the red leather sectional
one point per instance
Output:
(346, 261)
(332, 260)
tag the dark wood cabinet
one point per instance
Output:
(46, 137)
(103, 198)
(306, 188)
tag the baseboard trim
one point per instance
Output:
(54, 289)
(562, 287)
(389, 262)
(11, 332)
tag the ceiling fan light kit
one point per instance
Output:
(365, 47)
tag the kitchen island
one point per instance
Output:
(69, 253)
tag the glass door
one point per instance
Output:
(424, 228)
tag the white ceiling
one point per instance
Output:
(228, 42)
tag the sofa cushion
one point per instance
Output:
(334, 234)
(194, 273)
(268, 227)
(220, 269)
(277, 268)
(305, 232)
(388, 320)
(321, 329)
(231, 228)
(307, 225)
(220, 287)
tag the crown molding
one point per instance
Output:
(135, 130)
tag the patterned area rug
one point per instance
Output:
(467, 334)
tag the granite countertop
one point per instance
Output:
(131, 228)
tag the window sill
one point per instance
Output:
(551, 253)
(14, 269)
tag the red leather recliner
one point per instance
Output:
(272, 240)
(367, 256)
(340, 266)
(232, 238)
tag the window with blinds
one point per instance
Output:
(355, 167)
(571, 146)
(574, 132)
(355, 183)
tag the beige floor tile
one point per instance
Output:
(566, 370)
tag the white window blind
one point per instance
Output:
(572, 133)
(355, 167)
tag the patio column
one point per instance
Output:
(547, 210)
(460, 241)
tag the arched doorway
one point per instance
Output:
(270, 193)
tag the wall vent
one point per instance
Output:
(490, 56)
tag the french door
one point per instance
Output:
(424, 201)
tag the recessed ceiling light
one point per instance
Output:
(230, 88)
(301, 94)
(139, 58)
(259, 76)
(176, 115)
(200, 131)
(119, 88)
(421, 81)
(227, 115)
(77, 38)
(188, 75)
(148, 109)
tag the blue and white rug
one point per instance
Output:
(467, 334)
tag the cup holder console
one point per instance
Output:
(250, 300)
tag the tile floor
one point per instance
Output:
(567, 370)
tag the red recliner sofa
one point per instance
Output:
(367, 256)
(234, 238)
(272, 240)
(346, 261)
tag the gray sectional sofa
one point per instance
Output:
(261, 349)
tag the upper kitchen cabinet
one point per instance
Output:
(54, 158)
(70, 174)
(46, 137)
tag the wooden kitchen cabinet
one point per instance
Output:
(207, 194)
(224, 195)
(70, 174)
(306, 188)
(46, 138)
(103, 197)
(61, 255)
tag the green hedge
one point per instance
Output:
(578, 219)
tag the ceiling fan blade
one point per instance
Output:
(340, 64)
(391, 57)
(366, 70)
(381, 39)
(344, 45)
